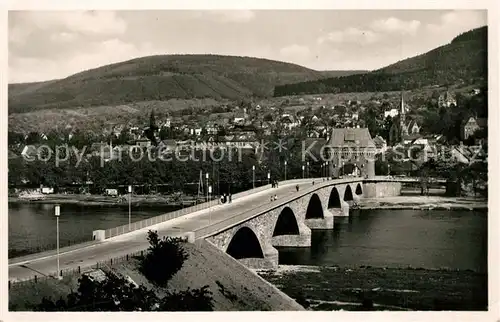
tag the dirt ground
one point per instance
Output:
(234, 287)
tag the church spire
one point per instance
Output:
(402, 111)
(402, 119)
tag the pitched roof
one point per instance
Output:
(358, 137)
(379, 141)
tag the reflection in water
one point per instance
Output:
(398, 238)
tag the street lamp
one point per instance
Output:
(209, 207)
(308, 169)
(57, 211)
(206, 176)
(285, 170)
(303, 167)
(129, 206)
(268, 177)
(253, 176)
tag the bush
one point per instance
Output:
(164, 258)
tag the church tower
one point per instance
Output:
(402, 120)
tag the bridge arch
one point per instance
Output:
(359, 189)
(314, 208)
(334, 199)
(348, 193)
(286, 224)
(244, 244)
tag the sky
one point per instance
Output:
(46, 45)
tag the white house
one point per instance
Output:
(392, 113)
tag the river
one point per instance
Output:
(32, 227)
(455, 239)
(383, 238)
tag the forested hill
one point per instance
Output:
(463, 59)
(161, 77)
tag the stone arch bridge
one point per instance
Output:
(251, 238)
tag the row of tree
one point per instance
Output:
(229, 172)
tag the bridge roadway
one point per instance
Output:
(203, 221)
(46, 264)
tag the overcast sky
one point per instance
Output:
(47, 45)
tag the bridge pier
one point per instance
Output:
(303, 239)
(321, 223)
(270, 260)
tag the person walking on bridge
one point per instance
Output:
(297, 187)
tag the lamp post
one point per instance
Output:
(253, 176)
(343, 168)
(57, 211)
(129, 206)
(209, 207)
(308, 169)
(388, 169)
(285, 170)
(206, 176)
(303, 167)
(268, 177)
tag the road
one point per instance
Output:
(46, 264)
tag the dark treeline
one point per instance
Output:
(228, 172)
(463, 60)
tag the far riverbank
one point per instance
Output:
(424, 203)
(100, 200)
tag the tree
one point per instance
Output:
(33, 138)
(164, 258)
(116, 293)
(14, 138)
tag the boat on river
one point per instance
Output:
(31, 195)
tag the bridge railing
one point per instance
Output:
(254, 212)
(123, 229)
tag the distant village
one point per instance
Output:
(248, 127)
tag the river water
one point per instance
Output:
(384, 238)
(455, 239)
(32, 227)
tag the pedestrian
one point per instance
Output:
(230, 198)
(272, 184)
(297, 187)
(271, 198)
(313, 183)
(275, 197)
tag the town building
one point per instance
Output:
(447, 100)
(471, 125)
(351, 151)
(402, 131)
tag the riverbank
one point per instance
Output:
(99, 200)
(424, 203)
(369, 288)
(234, 287)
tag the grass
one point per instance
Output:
(399, 289)
(25, 296)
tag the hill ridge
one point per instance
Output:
(463, 58)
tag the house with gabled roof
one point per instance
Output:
(351, 150)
